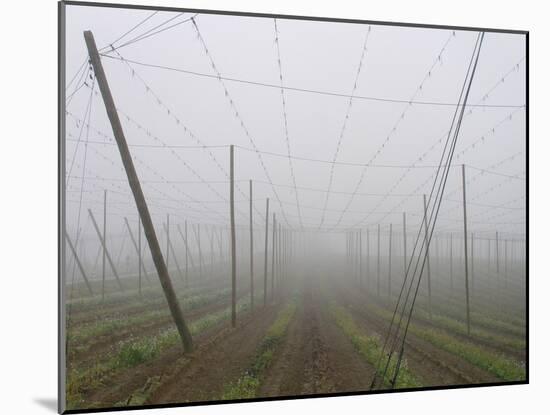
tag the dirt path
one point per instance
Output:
(99, 346)
(172, 370)
(315, 357)
(215, 365)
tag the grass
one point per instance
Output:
(80, 336)
(370, 348)
(498, 365)
(247, 386)
(460, 327)
(132, 352)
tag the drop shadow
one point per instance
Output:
(48, 403)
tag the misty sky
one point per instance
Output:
(398, 63)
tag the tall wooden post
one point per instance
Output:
(212, 250)
(233, 242)
(488, 255)
(281, 259)
(404, 245)
(497, 256)
(360, 258)
(472, 262)
(138, 193)
(265, 250)
(427, 243)
(140, 264)
(465, 250)
(186, 255)
(273, 244)
(168, 241)
(451, 263)
(108, 256)
(104, 244)
(368, 260)
(171, 248)
(389, 264)
(137, 246)
(251, 253)
(378, 265)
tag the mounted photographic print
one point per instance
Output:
(259, 207)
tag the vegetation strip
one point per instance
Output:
(500, 366)
(132, 353)
(247, 386)
(106, 326)
(369, 347)
(460, 328)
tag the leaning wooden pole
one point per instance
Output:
(465, 250)
(135, 185)
(104, 246)
(251, 253)
(233, 243)
(80, 267)
(171, 249)
(265, 250)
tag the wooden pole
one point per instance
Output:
(451, 264)
(497, 256)
(488, 255)
(140, 264)
(368, 260)
(167, 230)
(273, 244)
(171, 248)
(197, 231)
(105, 243)
(404, 245)
(378, 265)
(133, 180)
(465, 250)
(212, 251)
(80, 267)
(137, 246)
(389, 265)
(251, 252)
(360, 258)
(426, 240)
(186, 255)
(233, 243)
(265, 250)
(108, 256)
(472, 262)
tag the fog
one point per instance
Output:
(387, 142)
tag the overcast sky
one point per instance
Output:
(396, 63)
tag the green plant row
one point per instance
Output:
(80, 336)
(247, 385)
(460, 327)
(370, 348)
(131, 353)
(498, 365)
